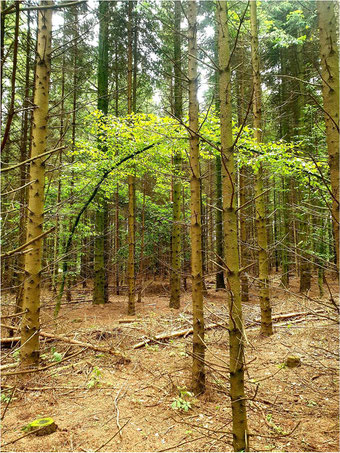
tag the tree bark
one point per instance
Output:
(29, 352)
(100, 287)
(262, 240)
(231, 255)
(175, 277)
(198, 372)
(131, 183)
(330, 90)
(23, 170)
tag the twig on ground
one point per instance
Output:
(8, 403)
(102, 446)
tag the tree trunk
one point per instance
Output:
(100, 287)
(262, 240)
(175, 276)
(330, 91)
(198, 373)
(23, 170)
(236, 333)
(29, 352)
(131, 184)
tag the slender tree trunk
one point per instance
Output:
(210, 215)
(219, 204)
(175, 276)
(55, 265)
(262, 241)
(135, 62)
(73, 255)
(100, 286)
(236, 328)
(29, 352)
(240, 89)
(116, 242)
(23, 169)
(131, 183)
(198, 373)
(219, 225)
(141, 256)
(330, 82)
(285, 239)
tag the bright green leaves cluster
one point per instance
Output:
(109, 139)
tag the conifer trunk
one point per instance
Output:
(29, 352)
(175, 277)
(218, 176)
(131, 183)
(23, 170)
(198, 373)
(236, 335)
(100, 293)
(330, 83)
(262, 240)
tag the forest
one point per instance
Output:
(169, 225)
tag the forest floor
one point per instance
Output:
(93, 394)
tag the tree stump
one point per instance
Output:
(44, 426)
(292, 362)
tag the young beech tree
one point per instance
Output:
(198, 373)
(100, 293)
(260, 205)
(175, 282)
(231, 256)
(330, 82)
(29, 352)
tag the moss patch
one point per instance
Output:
(45, 426)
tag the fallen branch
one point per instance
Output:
(291, 315)
(14, 315)
(65, 340)
(9, 365)
(184, 332)
(80, 343)
(10, 340)
(167, 336)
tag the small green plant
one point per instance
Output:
(95, 378)
(282, 366)
(153, 348)
(312, 403)
(276, 428)
(6, 397)
(181, 403)
(16, 355)
(56, 356)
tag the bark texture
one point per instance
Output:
(131, 184)
(175, 278)
(236, 327)
(29, 352)
(262, 240)
(330, 83)
(198, 372)
(100, 293)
